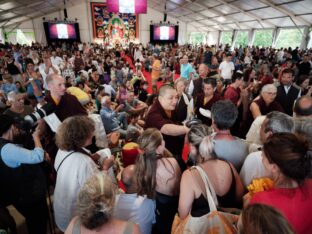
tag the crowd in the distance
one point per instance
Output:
(136, 135)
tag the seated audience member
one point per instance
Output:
(260, 219)
(22, 181)
(133, 105)
(227, 146)
(253, 168)
(158, 177)
(193, 198)
(20, 87)
(8, 85)
(17, 108)
(195, 137)
(288, 158)
(131, 207)
(136, 81)
(206, 99)
(113, 119)
(181, 109)
(287, 93)
(303, 107)
(95, 208)
(143, 94)
(266, 102)
(133, 120)
(109, 90)
(303, 84)
(74, 165)
(122, 94)
(161, 116)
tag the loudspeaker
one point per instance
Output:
(165, 17)
(65, 13)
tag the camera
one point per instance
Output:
(40, 113)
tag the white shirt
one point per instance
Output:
(109, 90)
(44, 75)
(56, 61)
(71, 176)
(138, 209)
(253, 168)
(226, 69)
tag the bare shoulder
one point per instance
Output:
(170, 164)
(70, 226)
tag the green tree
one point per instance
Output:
(289, 38)
(241, 39)
(263, 38)
(226, 38)
(197, 38)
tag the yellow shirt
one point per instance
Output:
(78, 93)
(156, 69)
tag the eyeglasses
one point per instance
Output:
(272, 94)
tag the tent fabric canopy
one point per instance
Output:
(203, 15)
(223, 15)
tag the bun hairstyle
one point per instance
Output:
(291, 153)
(96, 200)
(206, 148)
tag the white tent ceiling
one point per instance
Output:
(207, 15)
(204, 15)
(17, 11)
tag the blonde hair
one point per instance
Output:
(96, 199)
(206, 148)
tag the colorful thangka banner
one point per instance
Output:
(113, 28)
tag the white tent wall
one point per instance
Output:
(83, 13)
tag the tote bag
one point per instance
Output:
(215, 222)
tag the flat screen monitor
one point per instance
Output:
(164, 33)
(61, 31)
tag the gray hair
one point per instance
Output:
(197, 133)
(267, 88)
(303, 127)
(12, 96)
(279, 122)
(224, 114)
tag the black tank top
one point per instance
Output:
(200, 205)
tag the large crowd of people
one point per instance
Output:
(119, 134)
